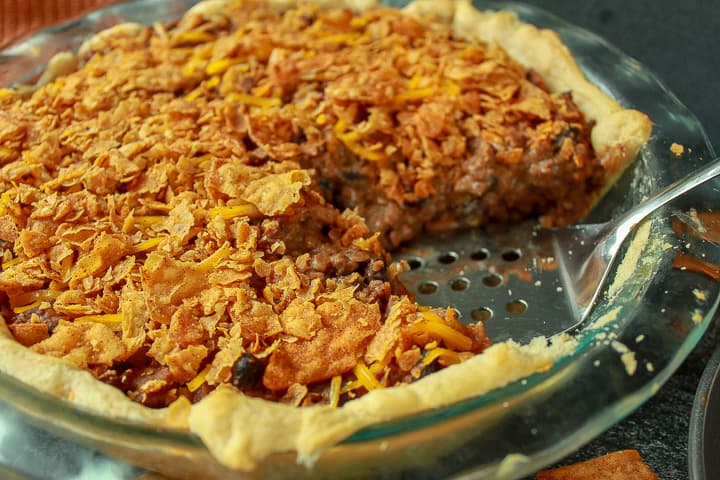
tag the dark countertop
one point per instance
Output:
(677, 41)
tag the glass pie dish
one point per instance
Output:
(631, 344)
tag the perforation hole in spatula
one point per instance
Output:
(508, 283)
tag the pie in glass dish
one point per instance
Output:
(196, 218)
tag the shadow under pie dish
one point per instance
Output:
(223, 421)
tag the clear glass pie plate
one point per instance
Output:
(649, 324)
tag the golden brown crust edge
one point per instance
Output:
(55, 376)
(618, 134)
(222, 418)
(242, 431)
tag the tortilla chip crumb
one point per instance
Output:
(677, 149)
(620, 465)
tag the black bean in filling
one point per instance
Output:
(247, 372)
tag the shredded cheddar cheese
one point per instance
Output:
(347, 38)
(217, 256)
(11, 263)
(213, 82)
(443, 355)
(6, 199)
(334, 393)
(148, 244)
(195, 36)
(433, 325)
(25, 308)
(235, 211)
(253, 100)
(366, 377)
(6, 152)
(220, 66)
(148, 220)
(415, 94)
(198, 380)
(351, 138)
(110, 318)
(194, 95)
(374, 154)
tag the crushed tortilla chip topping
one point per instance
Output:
(212, 201)
(677, 149)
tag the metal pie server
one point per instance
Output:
(524, 281)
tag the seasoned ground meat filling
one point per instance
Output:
(213, 201)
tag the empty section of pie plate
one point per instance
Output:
(552, 278)
(652, 317)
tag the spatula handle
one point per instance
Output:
(637, 214)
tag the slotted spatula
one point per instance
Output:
(524, 281)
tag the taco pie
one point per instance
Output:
(196, 218)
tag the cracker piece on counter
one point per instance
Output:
(620, 465)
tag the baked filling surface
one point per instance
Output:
(207, 207)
